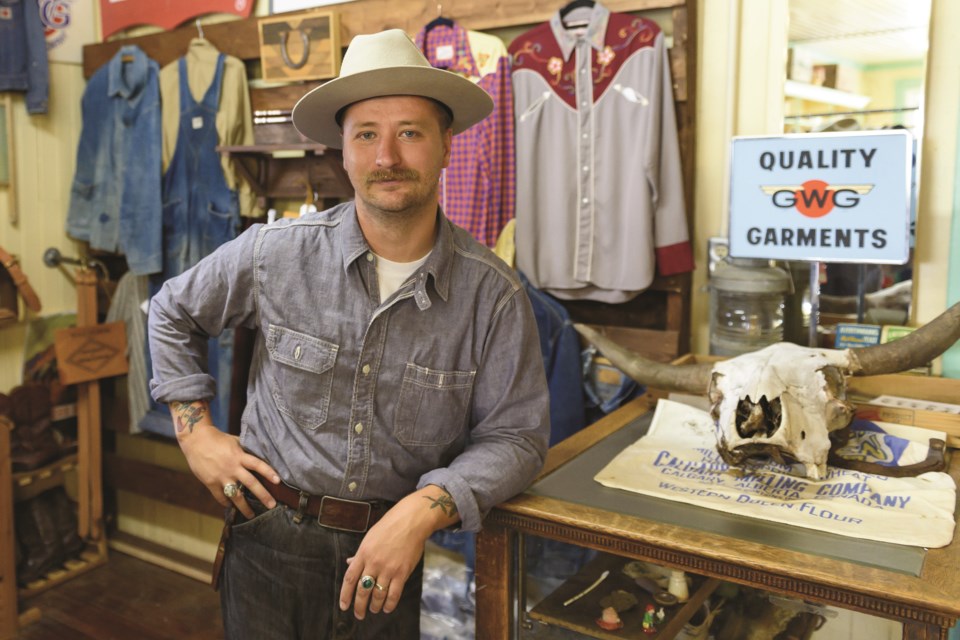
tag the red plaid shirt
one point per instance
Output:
(478, 191)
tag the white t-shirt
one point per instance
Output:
(391, 275)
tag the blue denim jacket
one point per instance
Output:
(23, 53)
(115, 201)
(442, 383)
(560, 348)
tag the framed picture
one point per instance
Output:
(304, 46)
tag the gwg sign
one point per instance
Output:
(836, 197)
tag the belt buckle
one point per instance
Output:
(359, 503)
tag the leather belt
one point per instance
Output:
(12, 266)
(355, 516)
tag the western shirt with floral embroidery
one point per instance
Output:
(599, 185)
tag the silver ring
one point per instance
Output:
(231, 490)
(368, 582)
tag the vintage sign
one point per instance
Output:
(67, 26)
(678, 460)
(91, 353)
(837, 197)
(116, 15)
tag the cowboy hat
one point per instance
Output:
(386, 64)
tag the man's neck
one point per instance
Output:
(396, 237)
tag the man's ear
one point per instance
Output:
(447, 146)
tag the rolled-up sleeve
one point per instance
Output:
(216, 294)
(508, 440)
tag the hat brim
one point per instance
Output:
(314, 115)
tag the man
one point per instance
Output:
(396, 387)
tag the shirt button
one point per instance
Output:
(366, 369)
(585, 136)
(104, 217)
(586, 201)
(584, 104)
(586, 168)
(369, 257)
(296, 353)
(352, 486)
(358, 428)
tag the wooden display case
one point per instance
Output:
(927, 601)
(581, 615)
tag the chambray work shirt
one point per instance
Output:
(442, 383)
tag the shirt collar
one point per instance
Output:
(596, 30)
(126, 79)
(438, 265)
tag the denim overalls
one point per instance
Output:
(200, 212)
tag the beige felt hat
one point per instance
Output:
(386, 64)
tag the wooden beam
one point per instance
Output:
(8, 575)
(178, 488)
(240, 38)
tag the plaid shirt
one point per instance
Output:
(478, 191)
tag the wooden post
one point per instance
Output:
(89, 474)
(8, 575)
(494, 593)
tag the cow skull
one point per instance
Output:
(783, 401)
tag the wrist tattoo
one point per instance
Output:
(445, 503)
(187, 415)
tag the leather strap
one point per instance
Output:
(12, 266)
(334, 513)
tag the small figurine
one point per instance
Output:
(649, 626)
(610, 619)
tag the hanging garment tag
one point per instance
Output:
(197, 122)
(445, 52)
(6, 13)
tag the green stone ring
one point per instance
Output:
(367, 582)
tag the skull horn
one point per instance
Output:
(691, 378)
(913, 350)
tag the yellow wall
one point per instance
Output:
(742, 55)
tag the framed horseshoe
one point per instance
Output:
(303, 46)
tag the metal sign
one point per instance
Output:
(835, 197)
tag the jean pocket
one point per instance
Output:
(83, 190)
(433, 406)
(303, 375)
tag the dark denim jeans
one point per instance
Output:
(282, 580)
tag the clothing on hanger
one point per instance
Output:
(477, 190)
(599, 205)
(115, 201)
(234, 118)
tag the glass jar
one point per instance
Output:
(746, 306)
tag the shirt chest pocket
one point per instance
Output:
(433, 406)
(302, 375)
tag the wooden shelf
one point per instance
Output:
(29, 484)
(581, 615)
(286, 171)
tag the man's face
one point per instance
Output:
(393, 151)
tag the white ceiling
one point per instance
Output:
(862, 31)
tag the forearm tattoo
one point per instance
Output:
(187, 415)
(445, 503)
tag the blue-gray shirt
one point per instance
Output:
(442, 383)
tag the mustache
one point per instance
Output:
(387, 175)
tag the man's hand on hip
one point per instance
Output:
(217, 459)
